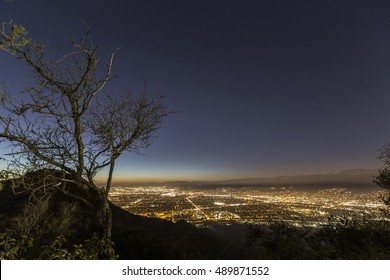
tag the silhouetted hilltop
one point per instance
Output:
(46, 216)
(138, 237)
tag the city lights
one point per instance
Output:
(252, 205)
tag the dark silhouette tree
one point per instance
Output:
(64, 121)
(383, 178)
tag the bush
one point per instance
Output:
(354, 238)
(280, 241)
(14, 247)
(92, 249)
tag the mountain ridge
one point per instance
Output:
(344, 178)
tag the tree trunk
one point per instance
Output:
(107, 220)
(107, 213)
(110, 175)
(104, 216)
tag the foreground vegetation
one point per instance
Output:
(349, 238)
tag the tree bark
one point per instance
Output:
(107, 220)
(109, 179)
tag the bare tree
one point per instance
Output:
(65, 121)
(383, 178)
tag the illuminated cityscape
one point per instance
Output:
(252, 205)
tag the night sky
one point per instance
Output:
(262, 88)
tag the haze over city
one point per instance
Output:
(261, 88)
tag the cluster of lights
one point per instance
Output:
(245, 204)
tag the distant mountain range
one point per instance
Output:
(354, 178)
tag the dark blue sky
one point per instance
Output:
(262, 87)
